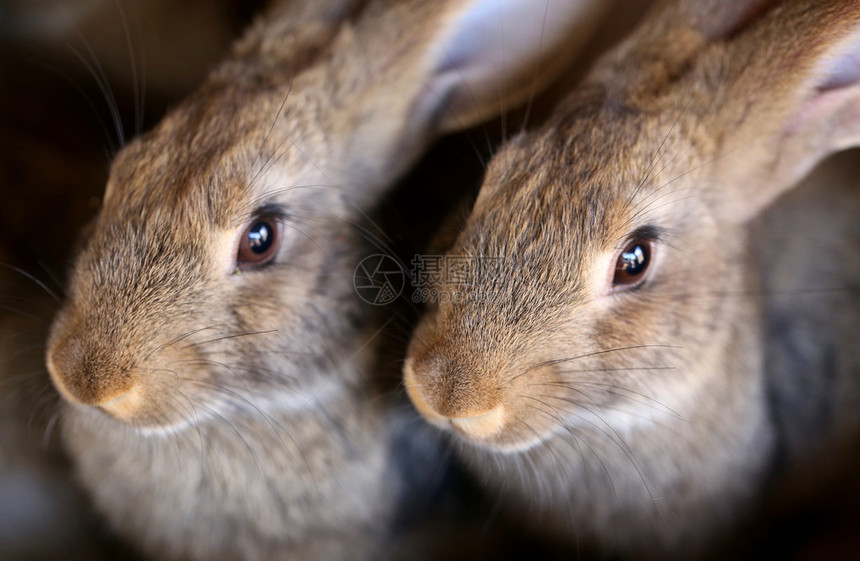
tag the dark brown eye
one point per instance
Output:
(259, 242)
(632, 263)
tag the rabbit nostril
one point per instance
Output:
(83, 376)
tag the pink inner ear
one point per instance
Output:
(727, 18)
(844, 73)
(833, 111)
(843, 69)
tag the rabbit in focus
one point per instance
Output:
(602, 359)
(214, 356)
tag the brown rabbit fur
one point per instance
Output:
(227, 412)
(638, 419)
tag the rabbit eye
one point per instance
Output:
(259, 242)
(632, 263)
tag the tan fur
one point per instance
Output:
(638, 421)
(224, 415)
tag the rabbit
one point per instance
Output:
(216, 364)
(597, 350)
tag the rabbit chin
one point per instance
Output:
(504, 442)
(144, 425)
(514, 441)
(133, 413)
(519, 438)
(507, 439)
(130, 411)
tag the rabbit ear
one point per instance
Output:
(776, 85)
(798, 99)
(492, 54)
(670, 37)
(436, 67)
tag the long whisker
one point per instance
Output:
(616, 439)
(26, 315)
(176, 340)
(234, 336)
(235, 431)
(768, 292)
(49, 429)
(533, 86)
(603, 407)
(41, 285)
(109, 146)
(556, 418)
(266, 138)
(52, 276)
(277, 429)
(138, 101)
(656, 157)
(555, 361)
(589, 370)
(100, 78)
(620, 391)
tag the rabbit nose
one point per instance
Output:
(469, 413)
(88, 377)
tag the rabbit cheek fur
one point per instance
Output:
(608, 400)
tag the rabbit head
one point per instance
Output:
(596, 338)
